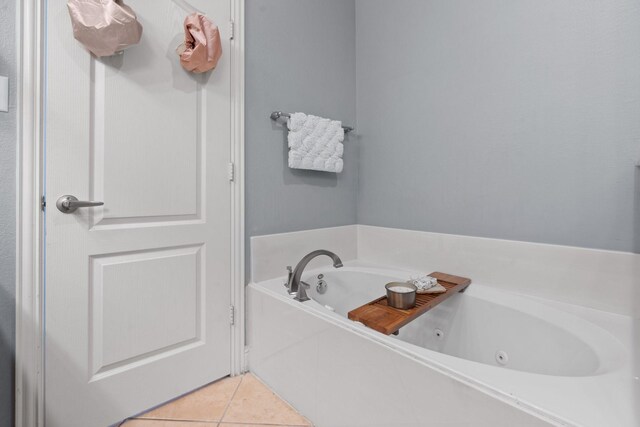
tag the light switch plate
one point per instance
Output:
(4, 94)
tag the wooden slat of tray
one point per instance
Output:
(379, 316)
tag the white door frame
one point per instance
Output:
(29, 387)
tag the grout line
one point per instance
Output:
(173, 400)
(286, 402)
(260, 423)
(176, 420)
(231, 398)
(221, 421)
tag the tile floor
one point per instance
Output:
(241, 401)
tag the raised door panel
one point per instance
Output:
(148, 129)
(144, 305)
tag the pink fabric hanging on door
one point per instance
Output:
(104, 27)
(202, 47)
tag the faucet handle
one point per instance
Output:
(301, 295)
(289, 275)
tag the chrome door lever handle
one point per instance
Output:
(69, 204)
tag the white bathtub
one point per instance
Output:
(484, 357)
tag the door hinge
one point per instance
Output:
(232, 30)
(232, 315)
(43, 203)
(231, 169)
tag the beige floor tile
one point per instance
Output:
(205, 404)
(255, 403)
(164, 423)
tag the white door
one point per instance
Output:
(137, 291)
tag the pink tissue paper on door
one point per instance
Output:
(104, 27)
(202, 47)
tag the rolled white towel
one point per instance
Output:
(427, 285)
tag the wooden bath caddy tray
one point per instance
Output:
(388, 320)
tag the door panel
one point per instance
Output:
(177, 115)
(121, 333)
(137, 291)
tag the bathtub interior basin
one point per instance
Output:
(482, 331)
(481, 325)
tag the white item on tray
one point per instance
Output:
(427, 285)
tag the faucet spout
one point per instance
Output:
(296, 284)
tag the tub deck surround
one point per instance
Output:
(378, 315)
(561, 273)
(600, 279)
(270, 254)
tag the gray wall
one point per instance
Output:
(7, 214)
(516, 120)
(300, 56)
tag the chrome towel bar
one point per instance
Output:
(278, 114)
